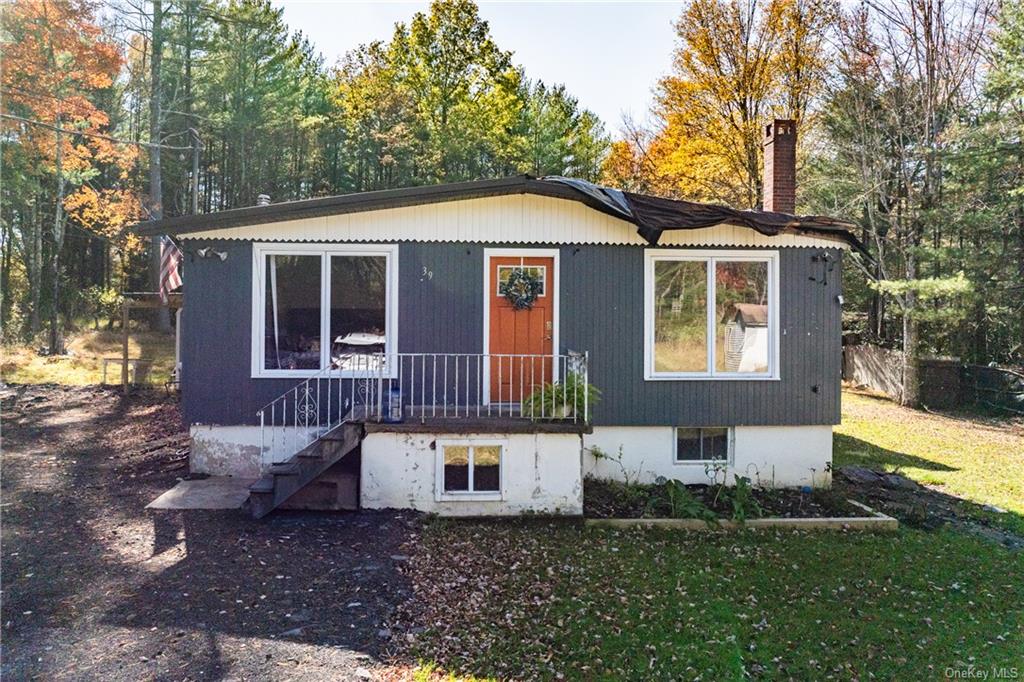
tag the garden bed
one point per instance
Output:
(670, 503)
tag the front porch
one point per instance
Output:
(430, 393)
(452, 433)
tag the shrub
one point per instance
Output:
(561, 400)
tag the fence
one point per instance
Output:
(944, 382)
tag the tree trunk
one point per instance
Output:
(56, 343)
(162, 317)
(35, 271)
(5, 277)
(911, 393)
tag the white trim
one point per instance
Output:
(325, 251)
(730, 443)
(555, 304)
(651, 256)
(441, 495)
(519, 219)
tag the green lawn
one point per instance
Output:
(548, 600)
(981, 460)
(529, 601)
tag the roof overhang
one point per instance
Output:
(652, 215)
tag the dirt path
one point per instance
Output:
(97, 587)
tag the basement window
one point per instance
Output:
(469, 470)
(701, 445)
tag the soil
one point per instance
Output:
(97, 587)
(606, 499)
(922, 507)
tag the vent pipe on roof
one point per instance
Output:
(780, 166)
(263, 200)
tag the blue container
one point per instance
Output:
(393, 413)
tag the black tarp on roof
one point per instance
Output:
(654, 215)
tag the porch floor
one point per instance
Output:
(474, 424)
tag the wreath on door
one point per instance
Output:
(522, 289)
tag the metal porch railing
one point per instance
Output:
(424, 386)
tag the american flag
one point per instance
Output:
(170, 267)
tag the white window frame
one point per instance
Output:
(710, 257)
(260, 251)
(442, 495)
(730, 440)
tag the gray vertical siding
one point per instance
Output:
(601, 296)
(602, 311)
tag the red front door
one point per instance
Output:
(521, 332)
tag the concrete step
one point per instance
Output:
(285, 469)
(264, 485)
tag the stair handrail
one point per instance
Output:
(306, 412)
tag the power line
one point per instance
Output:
(149, 145)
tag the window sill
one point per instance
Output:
(709, 377)
(470, 497)
(700, 462)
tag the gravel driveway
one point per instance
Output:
(97, 587)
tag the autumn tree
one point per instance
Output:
(739, 63)
(464, 91)
(907, 80)
(57, 61)
(441, 102)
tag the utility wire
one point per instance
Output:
(149, 145)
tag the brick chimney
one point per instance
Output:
(780, 166)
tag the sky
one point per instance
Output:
(608, 54)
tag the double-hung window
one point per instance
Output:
(711, 315)
(316, 304)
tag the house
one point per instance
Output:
(437, 347)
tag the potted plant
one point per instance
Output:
(561, 400)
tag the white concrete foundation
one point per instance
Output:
(225, 451)
(235, 450)
(541, 474)
(773, 456)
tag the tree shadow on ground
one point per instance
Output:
(319, 588)
(863, 453)
(97, 586)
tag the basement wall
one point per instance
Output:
(541, 474)
(771, 456)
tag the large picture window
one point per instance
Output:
(314, 305)
(711, 315)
